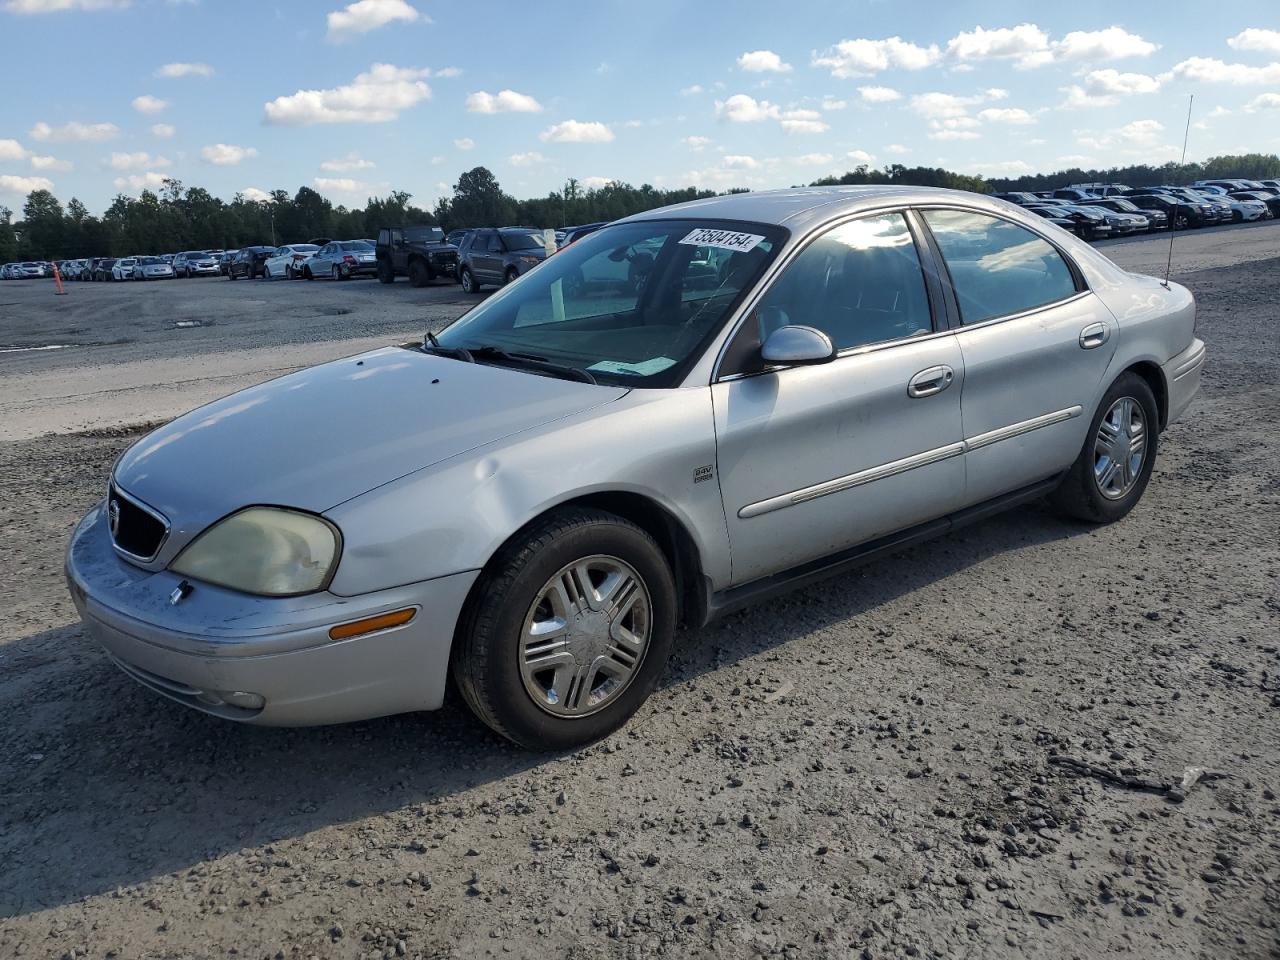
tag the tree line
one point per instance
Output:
(178, 217)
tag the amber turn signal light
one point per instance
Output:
(383, 621)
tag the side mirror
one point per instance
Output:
(794, 346)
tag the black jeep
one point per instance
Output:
(420, 253)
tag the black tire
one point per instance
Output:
(336, 274)
(385, 273)
(419, 273)
(468, 281)
(289, 272)
(485, 659)
(307, 274)
(1180, 221)
(512, 275)
(1079, 495)
(231, 274)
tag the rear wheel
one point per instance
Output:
(385, 273)
(289, 272)
(568, 630)
(1114, 466)
(419, 273)
(337, 274)
(512, 275)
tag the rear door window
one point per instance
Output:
(998, 268)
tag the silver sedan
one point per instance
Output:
(685, 412)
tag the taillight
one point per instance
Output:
(348, 259)
(299, 256)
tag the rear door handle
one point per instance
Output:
(929, 382)
(1094, 335)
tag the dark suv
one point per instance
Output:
(420, 253)
(248, 262)
(498, 255)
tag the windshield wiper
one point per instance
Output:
(432, 345)
(530, 360)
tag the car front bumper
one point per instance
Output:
(203, 271)
(262, 660)
(1182, 375)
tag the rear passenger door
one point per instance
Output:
(1036, 345)
(815, 459)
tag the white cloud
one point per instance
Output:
(163, 130)
(1026, 43)
(1113, 43)
(504, 101)
(352, 161)
(814, 159)
(804, 121)
(879, 94)
(89, 132)
(141, 181)
(996, 93)
(577, 131)
(1078, 98)
(696, 143)
(464, 143)
(936, 106)
(57, 6)
(1011, 115)
(831, 103)
(953, 135)
(595, 183)
(172, 71)
(1004, 168)
(763, 61)
(366, 15)
(1264, 101)
(1141, 132)
(861, 157)
(12, 150)
(1104, 82)
(149, 104)
(135, 161)
(897, 149)
(862, 57)
(49, 163)
(530, 159)
(377, 96)
(226, 154)
(341, 185)
(739, 162)
(690, 91)
(1074, 159)
(741, 108)
(448, 73)
(255, 195)
(1254, 38)
(12, 184)
(1209, 70)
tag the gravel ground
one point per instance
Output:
(1029, 738)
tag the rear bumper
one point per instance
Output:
(1182, 375)
(258, 660)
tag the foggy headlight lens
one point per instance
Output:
(263, 550)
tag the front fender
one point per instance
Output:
(454, 516)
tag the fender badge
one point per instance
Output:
(179, 593)
(703, 473)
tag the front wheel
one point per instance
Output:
(567, 631)
(1111, 473)
(419, 273)
(468, 281)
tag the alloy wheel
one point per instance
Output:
(585, 636)
(1120, 448)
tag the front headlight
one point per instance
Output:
(264, 550)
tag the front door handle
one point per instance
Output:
(1094, 335)
(926, 383)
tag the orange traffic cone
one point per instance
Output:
(57, 279)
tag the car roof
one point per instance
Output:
(801, 207)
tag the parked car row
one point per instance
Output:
(1096, 211)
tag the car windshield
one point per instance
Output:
(149, 261)
(424, 234)
(519, 240)
(304, 248)
(355, 245)
(1125, 205)
(631, 304)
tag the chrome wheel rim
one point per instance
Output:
(1120, 448)
(585, 636)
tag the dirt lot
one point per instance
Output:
(1028, 739)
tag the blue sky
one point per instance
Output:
(353, 99)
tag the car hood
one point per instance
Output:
(323, 435)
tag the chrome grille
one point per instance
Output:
(136, 529)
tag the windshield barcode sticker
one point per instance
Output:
(723, 239)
